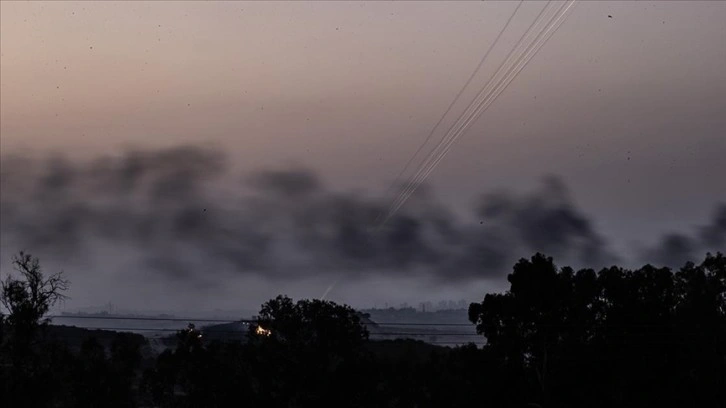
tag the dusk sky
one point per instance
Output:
(625, 105)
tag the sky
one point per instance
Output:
(622, 108)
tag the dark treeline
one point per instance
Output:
(649, 337)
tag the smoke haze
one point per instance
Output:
(179, 217)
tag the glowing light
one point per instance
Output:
(263, 332)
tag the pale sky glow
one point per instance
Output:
(628, 110)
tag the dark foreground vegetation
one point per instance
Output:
(649, 337)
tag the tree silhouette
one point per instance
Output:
(310, 323)
(557, 338)
(182, 377)
(644, 337)
(305, 350)
(27, 365)
(29, 299)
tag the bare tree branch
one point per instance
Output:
(29, 298)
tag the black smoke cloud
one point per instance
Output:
(179, 213)
(677, 249)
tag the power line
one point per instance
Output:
(166, 329)
(247, 321)
(373, 324)
(170, 319)
(430, 333)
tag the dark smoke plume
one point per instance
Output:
(174, 212)
(677, 249)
